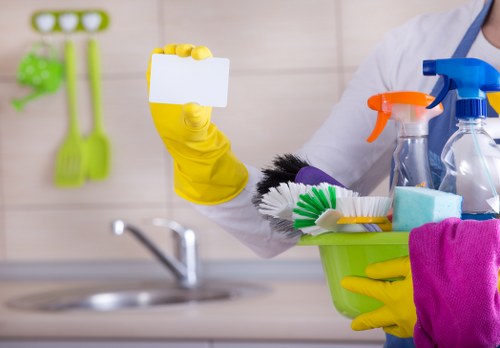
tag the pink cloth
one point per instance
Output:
(455, 280)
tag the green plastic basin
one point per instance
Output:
(348, 254)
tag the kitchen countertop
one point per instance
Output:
(291, 310)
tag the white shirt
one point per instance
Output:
(338, 147)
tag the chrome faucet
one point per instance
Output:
(185, 265)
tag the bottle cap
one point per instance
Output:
(471, 108)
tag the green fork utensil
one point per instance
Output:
(98, 144)
(71, 162)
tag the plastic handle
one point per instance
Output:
(448, 85)
(95, 82)
(382, 118)
(375, 103)
(70, 57)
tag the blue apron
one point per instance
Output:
(441, 128)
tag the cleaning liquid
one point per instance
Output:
(471, 157)
(408, 109)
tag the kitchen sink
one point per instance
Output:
(111, 297)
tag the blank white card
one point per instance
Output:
(176, 80)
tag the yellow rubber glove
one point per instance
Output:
(398, 314)
(494, 100)
(205, 169)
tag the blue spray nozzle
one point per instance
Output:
(429, 67)
(471, 77)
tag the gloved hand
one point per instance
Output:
(205, 169)
(398, 315)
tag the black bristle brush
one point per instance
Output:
(284, 169)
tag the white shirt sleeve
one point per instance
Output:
(241, 219)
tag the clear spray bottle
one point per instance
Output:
(471, 156)
(408, 109)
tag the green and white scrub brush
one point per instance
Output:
(316, 211)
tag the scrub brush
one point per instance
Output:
(286, 168)
(280, 201)
(365, 210)
(277, 205)
(316, 211)
(283, 170)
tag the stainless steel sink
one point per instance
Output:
(186, 287)
(133, 296)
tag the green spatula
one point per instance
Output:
(98, 144)
(71, 161)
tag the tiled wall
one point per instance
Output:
(290, 60)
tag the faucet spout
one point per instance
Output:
(184, 266)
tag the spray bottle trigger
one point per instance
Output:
(382, 119)
(448, 85)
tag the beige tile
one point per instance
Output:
(125, 46)
(261, 34)
(275, 114)
(29, 142)
(215, 244)
(79, 235)
(363, 29)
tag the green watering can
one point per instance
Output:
(44, 73)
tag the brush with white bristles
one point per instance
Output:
(279, 201)
(365, 210)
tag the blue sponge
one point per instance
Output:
(415, 206)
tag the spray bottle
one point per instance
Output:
(408, 109)
(471, 157)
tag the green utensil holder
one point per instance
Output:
(348, 254)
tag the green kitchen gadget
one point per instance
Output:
(97, 142)
(72, 155)
(42, 72)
